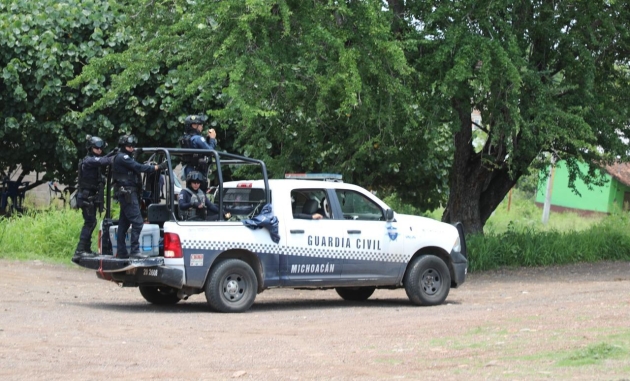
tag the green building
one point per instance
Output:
(614, 195)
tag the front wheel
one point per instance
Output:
(231, 286)
(161, 295)
(355, 294)
(427, 281)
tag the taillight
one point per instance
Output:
(244, 185)
(100, 247)
(172, 246)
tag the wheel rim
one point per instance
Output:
(234, 287)
(431, 281)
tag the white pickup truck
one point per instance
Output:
(359, 244)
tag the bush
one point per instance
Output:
(51, 234)
(516, 247)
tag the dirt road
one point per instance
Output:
(61, 322)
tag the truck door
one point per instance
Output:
(313, 255)
(377, 255)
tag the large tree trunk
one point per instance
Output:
(476, 189)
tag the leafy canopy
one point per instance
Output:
(305, 86)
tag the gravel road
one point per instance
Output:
(61, 322)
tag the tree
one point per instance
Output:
(546, 76)
(305, 86)
(44, 44)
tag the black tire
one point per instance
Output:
(161, 295)
(231, 286)
(355, 294)
(427, 281)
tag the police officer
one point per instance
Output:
(192, 139)
(127, 185)
(193, 203)
(90, 192)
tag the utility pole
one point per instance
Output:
(547, 206)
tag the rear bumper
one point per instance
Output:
(134, 272)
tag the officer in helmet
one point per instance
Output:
(193, 203)
(89, 194)
(193, 139)
(127, 185)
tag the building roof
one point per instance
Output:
(619, 171)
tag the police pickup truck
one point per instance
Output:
(270, 235)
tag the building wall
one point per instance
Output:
(598, 199)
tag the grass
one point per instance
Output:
(48, 234)
(593, 354)
(518, 238)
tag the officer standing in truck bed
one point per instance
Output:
(127, 184)
(90, 193)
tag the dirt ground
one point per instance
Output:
(61, 322)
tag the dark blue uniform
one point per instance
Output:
(126, 174)
(199, 142)
(188, 197)
(89, 180)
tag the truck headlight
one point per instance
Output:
(457, 246)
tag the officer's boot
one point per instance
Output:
(82, 251)
(89, 250)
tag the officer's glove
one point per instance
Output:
(163, 165)
(195, 204)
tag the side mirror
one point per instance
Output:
(389, 215)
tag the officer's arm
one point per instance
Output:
(105, 161)
(183, 201)
(146, 168)
(94, 162)
(203, 144)
(211, 206)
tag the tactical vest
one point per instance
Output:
(121, 175)
(192, 212)
(186, 142)
(88, 184)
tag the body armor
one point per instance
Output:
(194, 212)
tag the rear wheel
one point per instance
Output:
(427, 281)
(231, 286)
(356, 294)
(159, 294)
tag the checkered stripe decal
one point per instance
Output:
(299, 251)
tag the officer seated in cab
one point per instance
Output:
(193, 203)
(309, 211)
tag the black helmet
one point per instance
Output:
(194, 176)
(194, 119)
(127, 140)
(94, 142)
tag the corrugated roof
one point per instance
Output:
(619, 171)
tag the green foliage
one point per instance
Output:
(49, 234)
(43, 45)
(545, 76)
(305, 86)
(526, 246)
